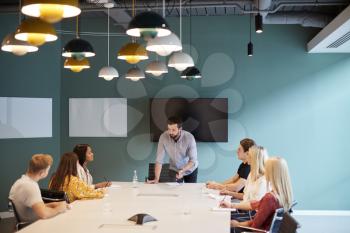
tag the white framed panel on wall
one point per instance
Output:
(25, 117)
(97, 117)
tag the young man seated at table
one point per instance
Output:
(26, 196)
(237, 182)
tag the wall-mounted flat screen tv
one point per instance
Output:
(205, 118)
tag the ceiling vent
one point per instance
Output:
(334, 38)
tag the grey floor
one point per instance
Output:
(324, 224)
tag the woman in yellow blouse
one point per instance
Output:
(66, 179)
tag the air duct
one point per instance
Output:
(305, 19)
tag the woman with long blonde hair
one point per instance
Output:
(256, 185)
(277, 176)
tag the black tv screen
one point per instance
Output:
(205, 118)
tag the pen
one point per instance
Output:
(223, 199)
(107, 182)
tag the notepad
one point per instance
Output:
(220, 209)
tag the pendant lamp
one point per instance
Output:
(78, 48)
(258, 21)
(148, 25)
(108, 72)
(76, 65)
(191, 72)
(132, 52)
(156, 68)
(135, 74)
(51, 11)
(180, 60)
(250, 47)
(35, 31)
(165, 45)
(17, 47)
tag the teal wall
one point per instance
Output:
(32, 75)
(293, 103)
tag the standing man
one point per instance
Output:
(26, 196)
(181, 148)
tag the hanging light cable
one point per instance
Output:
(17, 47)
(108, 72)
(250, 44)
(132, 52)
(157, 68)
(180, 60)
(78, 48)
(191, 72)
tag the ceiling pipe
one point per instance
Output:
(241, 6)
(305, 19)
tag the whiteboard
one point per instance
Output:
(25, 117)
(97, 117)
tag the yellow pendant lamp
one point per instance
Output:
(51, 11)
(132, 53)
(35, 31)
(76, 65)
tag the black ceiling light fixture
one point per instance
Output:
(148, 24)
(78, 48)
(191, 72)
(250, 44)
(258, 21)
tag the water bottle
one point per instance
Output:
(135, 180)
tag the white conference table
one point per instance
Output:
(184, 208)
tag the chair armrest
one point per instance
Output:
(252, 229)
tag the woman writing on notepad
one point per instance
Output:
(66, 179)
(277, 176)
(256, 186)
(85, 155)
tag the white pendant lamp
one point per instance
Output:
(180, 60)
(108, 72)
(135, 74)
(156, 68)
(17, 47)
(164, 45)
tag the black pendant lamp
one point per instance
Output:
(78, 48)
(250, 44)
(258, 21)
(191, 72)
(148, 25)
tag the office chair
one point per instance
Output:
(53, 196)
(19, 224)
(164, 175)
(282, 222)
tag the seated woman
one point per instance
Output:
(86, 155)
(277, 176)
(256, 186)
(66, 179)
(237, 182)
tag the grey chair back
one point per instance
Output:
(164, 175)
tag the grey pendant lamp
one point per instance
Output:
(108, 72)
